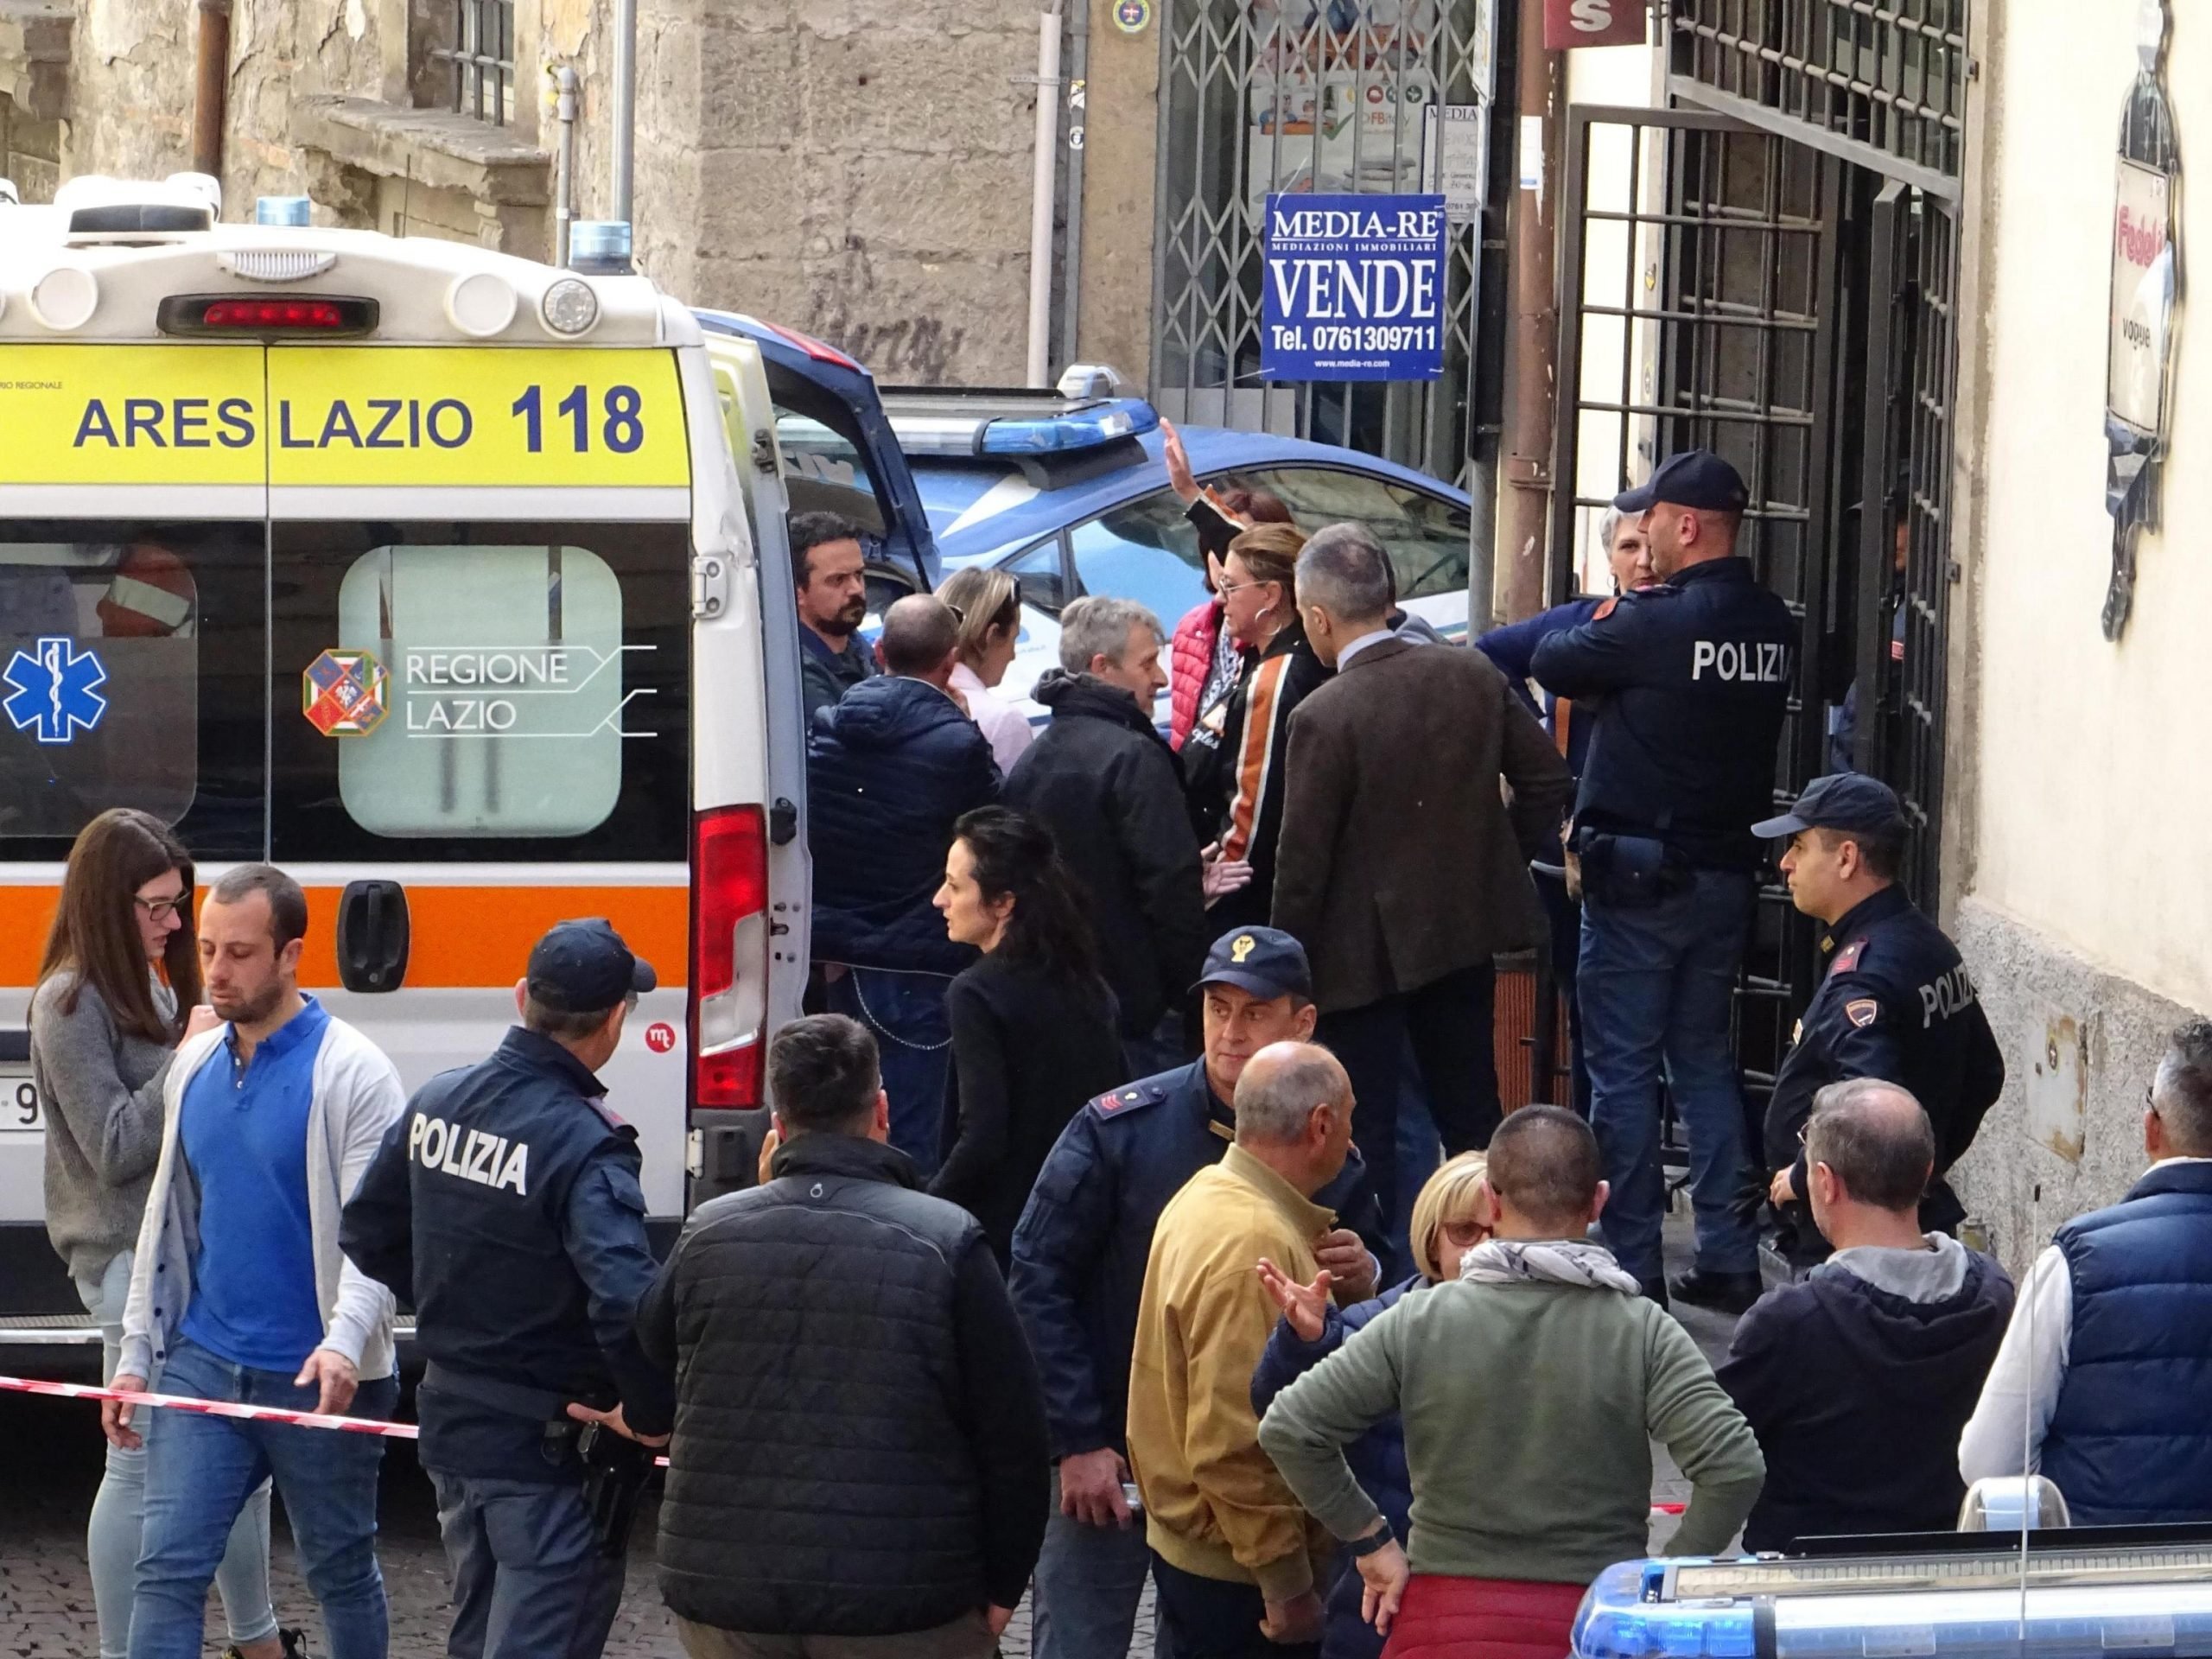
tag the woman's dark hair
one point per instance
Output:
(1255, 506)
(95, 935)
(1015, 855)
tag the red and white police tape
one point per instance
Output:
(298, 1418)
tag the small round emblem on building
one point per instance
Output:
(1133, 16)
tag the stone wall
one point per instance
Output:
(863, 174)
(2081, 1043)
(856, 168)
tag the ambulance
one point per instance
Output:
(431, 574)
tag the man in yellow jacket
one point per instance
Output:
(1235, 1556)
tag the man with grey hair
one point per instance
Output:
(1235, 1560)
(2108, 1360)
(890, 768)
(1109, 788)
(1885, 1345)
(1403, 865)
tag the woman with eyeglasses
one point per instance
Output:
(988, 605)
(119, 989)
(1234, 759)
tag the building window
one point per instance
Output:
(482, 60)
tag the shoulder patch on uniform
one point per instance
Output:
(1122, 1100)
(615, 1119)
(1847, 959)
(1862, 1011)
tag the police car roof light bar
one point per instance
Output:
(276, 314)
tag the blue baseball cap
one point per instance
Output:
(1265, 961)
(1695, 478)
(583, 967)
(1842, 800)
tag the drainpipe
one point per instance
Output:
(564, 191)
(211, 86)
(622, 147)
(1040, 200)
(1532, 400)
(1072, 239)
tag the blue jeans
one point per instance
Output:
(529, 1581)
(1657, 986)
(905, 1013)
(1089, 1582)
(199, 1472)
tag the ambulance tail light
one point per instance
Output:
(730, 956)
(266, 316)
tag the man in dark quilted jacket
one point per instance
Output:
(859, 1446)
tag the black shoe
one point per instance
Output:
(295, 1644)
(1654, 1290)
(1729, 1293)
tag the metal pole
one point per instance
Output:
(564, 193)
(1071, 239)
(1532, 330)
(1040, 200)
(211, 86)
(623, 148)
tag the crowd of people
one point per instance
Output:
(1080, 1258)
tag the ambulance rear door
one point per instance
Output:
(480, 659)
(133, 644)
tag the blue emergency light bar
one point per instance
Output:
(2089, 1601)
(955, 425)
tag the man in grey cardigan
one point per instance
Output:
(239, 1289)
(1531, 1387)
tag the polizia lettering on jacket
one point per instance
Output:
(487, 1160)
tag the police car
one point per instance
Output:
(432, 574)
(1067, 490)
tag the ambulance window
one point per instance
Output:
(120, 682)
(501, 690)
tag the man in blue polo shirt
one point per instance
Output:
(239, 1293)
(827, 566)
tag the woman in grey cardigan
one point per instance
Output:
(118, 989)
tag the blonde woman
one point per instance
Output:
(1450, 1217)
(988, 605)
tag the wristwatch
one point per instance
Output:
(1373, 1542)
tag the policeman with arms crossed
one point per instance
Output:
(1895, 1001)
(506, 1206)
(1691, 683)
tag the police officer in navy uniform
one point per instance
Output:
(1686, 684)
(1077, 1275)
(1894, 1002)
(506, 1207)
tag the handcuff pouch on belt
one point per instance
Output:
(1630, 872)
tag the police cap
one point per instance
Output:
(1842, 800)
(1697, 478)
(583, 967)
(1265, 961)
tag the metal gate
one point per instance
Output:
(1304, 95)
(1699, 278)
(1912, 341)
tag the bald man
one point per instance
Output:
(889, 770)
(1237, 1562)
(1858, 1380)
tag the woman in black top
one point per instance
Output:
(1034, 1026)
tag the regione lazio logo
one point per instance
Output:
(54, 690)
(344, 693)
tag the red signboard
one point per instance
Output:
(1592, 22)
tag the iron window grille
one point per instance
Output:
(482, 60)
(1879, 82)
